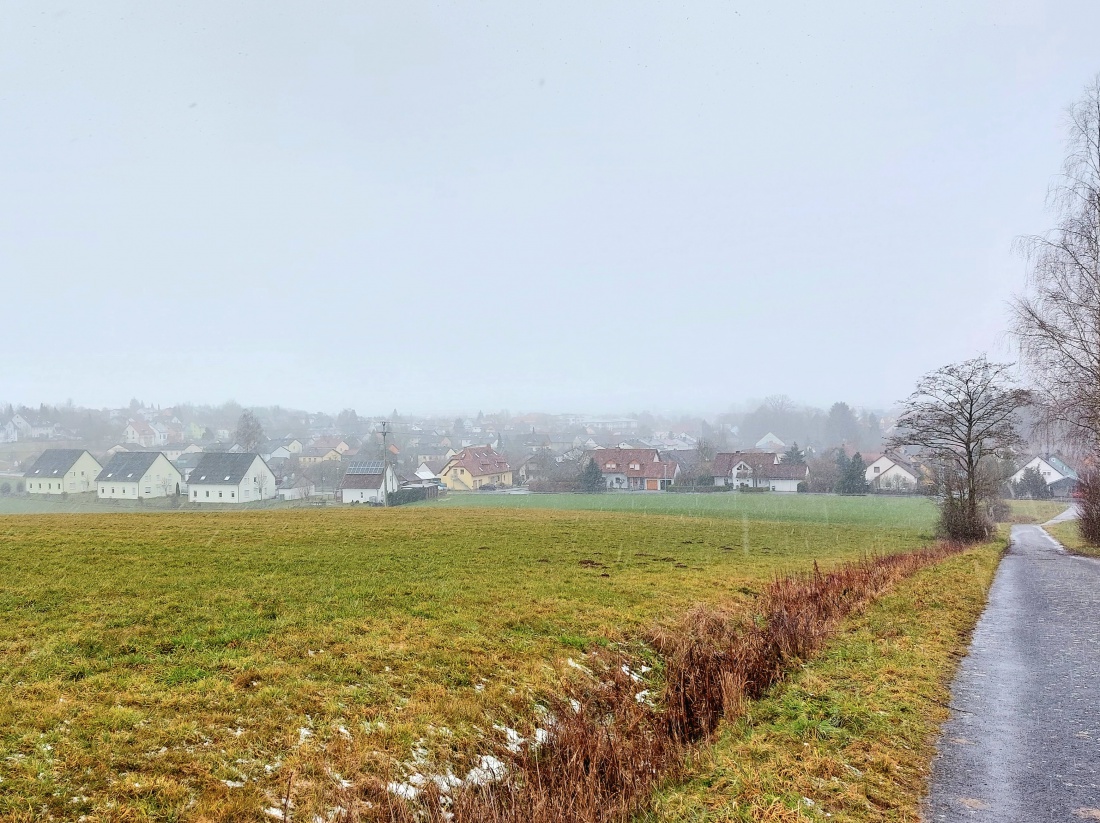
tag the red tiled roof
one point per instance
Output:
(644, 463)
(478, 461)
(759, 462)
(141, 427)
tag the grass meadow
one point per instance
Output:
(189, 665)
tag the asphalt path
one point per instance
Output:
(1023, 740)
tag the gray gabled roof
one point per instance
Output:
(127, 467)
(222, 468)
(54, 463)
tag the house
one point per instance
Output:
(428, 471)
(634, 469)
(225, 477)
(137, 475)
(757, 470)
(176, 451)
(769, 442)
(368, 482)
(337, 443)
(435, 453)
(62, 471)
(892, 472)
(186, 464)
(283, 448)
(314, 454)
(9, 432)
(537, 468)
(475, 467)
(32, 428)
(1059, 475)
(139, 432)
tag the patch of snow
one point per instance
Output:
(234, 784)
(626, 670)
(515, 741)
(488, 770)
(304, 734)
(642, 695)
(405, 791)
(276, 812)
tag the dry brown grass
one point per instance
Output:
(608, 750)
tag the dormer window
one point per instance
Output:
(611, 466)
(636, 466)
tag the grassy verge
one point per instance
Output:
(1069, 536)
(1036, 511)
(849, 737)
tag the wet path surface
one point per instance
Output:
(1023, 741)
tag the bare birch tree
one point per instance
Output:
(1057, 320)
(961, 415)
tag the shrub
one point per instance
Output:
(1088, 507)
(957, 522)
(5, 488)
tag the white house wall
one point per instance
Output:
(79, 479)
(249, 490)
(151, 484)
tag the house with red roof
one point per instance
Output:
(474, 468)
(139, 432)
(757, 470)
(634, 469)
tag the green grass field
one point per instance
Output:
(183, 665)
(904, 512)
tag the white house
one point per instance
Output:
(224, 477)
(368, 482)
(757, 470)
(769, 442)
(1053, 469)
(177, 450)
(9, 432)
(426, 472)
(892, 473)
(137, 475)
(62, 471)
(139, 432)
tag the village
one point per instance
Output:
(181, 457)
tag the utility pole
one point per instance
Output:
(385, 464)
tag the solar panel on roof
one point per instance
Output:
(371, 467)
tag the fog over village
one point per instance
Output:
(577, 413)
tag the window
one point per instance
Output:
(112, 490)
(148, 490)
(231, 494)
(195, 495)
(877, 469)
(219, 494)
(208, 494)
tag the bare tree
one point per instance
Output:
(961, 416)
(249, 431)
(1057, 320)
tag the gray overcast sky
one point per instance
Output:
(557, 206)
